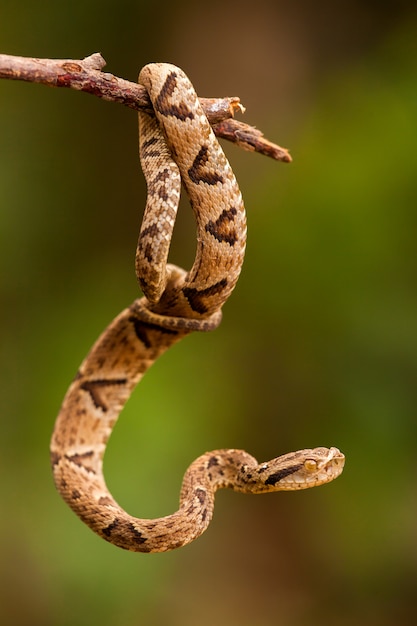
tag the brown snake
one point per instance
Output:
(176, 145)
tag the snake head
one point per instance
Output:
(296, 470)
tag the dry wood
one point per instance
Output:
(87, 75)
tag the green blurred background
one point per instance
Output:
(319, 341)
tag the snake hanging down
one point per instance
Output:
(177, 145)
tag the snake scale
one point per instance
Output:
(177, 146)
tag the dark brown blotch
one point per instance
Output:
(151, 230)
(107, 531)
(201, 495)
(141, 329)
(136, 534)
(80, 460)
(145, 148)
(222, 229)
(196, 297)
(167, 108)
(148, 253)
(198, 172)
(160, 190)
(273, 479)
(93, 388)
(213, 460)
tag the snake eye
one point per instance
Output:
(310, 465)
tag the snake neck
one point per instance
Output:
(219, 469)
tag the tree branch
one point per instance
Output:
(87, 75)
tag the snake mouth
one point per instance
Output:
(333, 464)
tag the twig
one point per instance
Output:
(87, 75)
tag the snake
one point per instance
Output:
(178, 150)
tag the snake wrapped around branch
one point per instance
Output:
(177, 147)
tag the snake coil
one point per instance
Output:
(177, 146)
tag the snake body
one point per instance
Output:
(177, 146)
